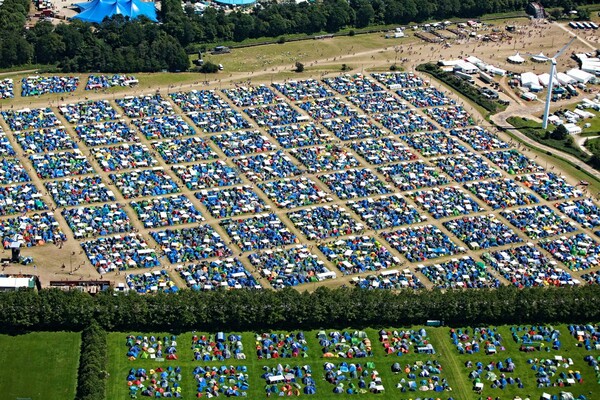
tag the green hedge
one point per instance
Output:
(93, 361)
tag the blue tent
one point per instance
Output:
(97, 10)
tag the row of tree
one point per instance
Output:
(93, 361)
(289, 309)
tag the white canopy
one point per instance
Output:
(517, 59)
(539, 58)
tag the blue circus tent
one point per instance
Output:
(97, 10)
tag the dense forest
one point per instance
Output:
(120, 45)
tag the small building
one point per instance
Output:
(16, 282)
(572, 129)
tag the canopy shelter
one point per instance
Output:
(95, 11)
(516, 59)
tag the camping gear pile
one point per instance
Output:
(218, 347)
(403, 122)
(355, 183)
(212, 275)
(351, 378)
(482, 232)
(202, 176)
(232, 202)
(6, 89)
(588, 336)
(377, 102)
(247, 96)
(433, 144)
(347, 84)
(281, 345)
(272, 115)
(298, 135)
(46, 139)
(393, 80)
(175, 151)
(259, 232)
(120, 252)
(142, 183)
(25, 119)
(325, 158)
(467, 167)
(386, 212)
(220, 120)
(110, 132)
(290, 267)
(18, 199)
(103, 219)
(591, 278)
(421, 376)
(287, 380)
(324, 222)
(345, 344)
(242, 142)
(214, 381)
(75, 191)
(190, 244)
(263, 167)
(104, 81)
(199, 100)
(468, 342)
(295, 192)
(501, 193)
(450, 117)
(327, 108)
(58, 165)
(303, 89)
(145, 106)
(578, 252)
(358, 255)
(488, 373)
(445, 202)
(526, 266)
(462, 273)
(165, 211)
(151, 282)
(549, 186)
(402, 342)
(163, 127)
(513, 162)
(479, 138)
(32, 230)
(151, 347)
(583, 211)
(533, 337)
(555, 371)
(88, 112)
(159, 382)
(6, 149)
(125, 156)
(426, 97)
(389, 279)
(357, 127)
(420, 243)
(539, 221)
(37, 85)
(413, 175)
(382, 151)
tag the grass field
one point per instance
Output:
(453, 367)
(41, 365)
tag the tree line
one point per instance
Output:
(93, 363)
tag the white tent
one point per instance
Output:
(539, 58)
(572, 129)
(516, 59)
(591, 66)
(564, 79)
(545, 79)
(529, 79)
(579, 75)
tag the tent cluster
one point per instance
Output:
(125, 156)
(276, 114)
(142, 183)
(218, 347)
(212, 381)
(281, 345)
(386, 212)
(359, 254)
(402, 342)
(299, 135)
(289, 267)
(287, 380)
(479, 138)
(535, 336)
(199, 100)
(351, 84)
(583, 211)
(327, 108)
(421, 376)
(578, 252)
(46, 139)
(151, 282)
(539, 221)
(229, 273)
(487, 372)
(413, 175)
(202, 176)
(26, 118)
(450, 117)
(303, 89)
(18, 199)
(37, 85)
(6, 149)
(163, 127)
(389, 279)
(262, 231)
(513, 162)
(325, 158)
(76, 191)
(355, 183)
(357, 127)
(263, 167)
(165, 211)
(430, 144)
(153, 347)
(242, 142)
(469, 343)
(61, 164)
(353, 378)
(467, 167)
(395, 80)
(549, 186)
(462, 273)
(190, 244)
(232, 202)
(145, 106)
(403, 122)
(426, 97)
(324, 221)
(104, 81)
(89, 111)
(445, 202)
(294, 192)
(591, 278)
(482, 232)
(345, 344)
(377, 102)
(382, 151)
(420, 243)
(111, 132)
(224, 119)
(91, 221)
(593, 362)
(6, 88)
(157, 383)
(32, 230)
(247, 96)
(501, 193)
(588, 336)
(548, 372)
(120, 253)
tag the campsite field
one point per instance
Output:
(452, 363)
(40, 365)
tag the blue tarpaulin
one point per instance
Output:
(97, 10)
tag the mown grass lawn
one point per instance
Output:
(40, 365)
